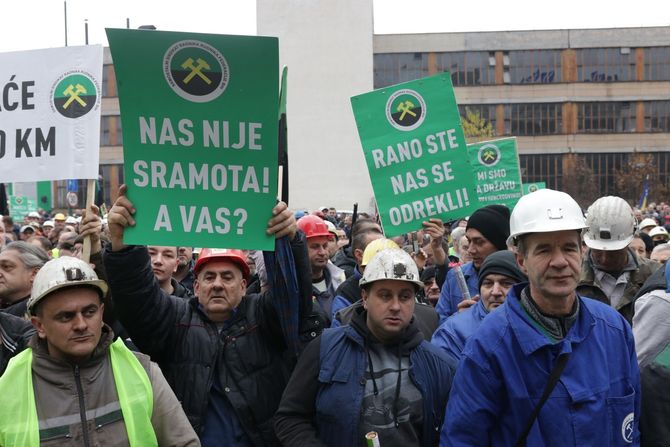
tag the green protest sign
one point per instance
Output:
(20, 206)
(199, 115)
(532, 187)
(416, 153)
(496, 167)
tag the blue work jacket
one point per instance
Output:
(455, 331)
(451, 295)
(507, 363)
(342, 385)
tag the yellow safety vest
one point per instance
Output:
(18, 414)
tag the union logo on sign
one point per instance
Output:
(195, 70)
(405, 109)
(489, 155)
(74, 94)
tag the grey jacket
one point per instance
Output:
(64, 393)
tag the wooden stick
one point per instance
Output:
(90, 197)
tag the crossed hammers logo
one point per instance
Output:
(73, 91)
(196, 70)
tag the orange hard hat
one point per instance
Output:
(313, 226)
(222, 254)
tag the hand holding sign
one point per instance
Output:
(120, 217)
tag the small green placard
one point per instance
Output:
(496, 167)
(20, 206)
(199, 114)
(416, 153)
(532, 187)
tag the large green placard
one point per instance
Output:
(496, 167)
(416, 153)
(199, 115)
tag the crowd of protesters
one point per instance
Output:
(545, 324)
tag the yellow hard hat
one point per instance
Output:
(375, 247)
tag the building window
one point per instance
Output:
(657, 116)
(605, 117)
(605, 167)
(533, 119)
(605, 64)
(486, 112)
(546, 168)
(468, 68)
(105, 124)
(657, 64)
(535, 66)
(394, 68)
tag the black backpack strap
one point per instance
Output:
(551, 384)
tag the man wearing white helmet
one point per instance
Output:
(612, 272)
(549, 367)
(659, 235)
(376, 374)
(74, 385)
(647, 224)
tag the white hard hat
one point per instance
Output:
(60, 273)
(610, 224)
(648, 222)
(658, 231)
(48, 223)
(70, 220)
(34, 214)
(392, 263)
(544, 211)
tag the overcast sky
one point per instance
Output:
(31, 24)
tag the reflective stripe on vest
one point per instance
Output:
(18, 414)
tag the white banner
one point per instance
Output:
(50, 114)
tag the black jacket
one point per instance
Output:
(249, 354)
(14, 335)
(345, 260)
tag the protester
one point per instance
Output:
(661, 253)
(487, 230)
(638, 246)
(226, 355)
(14, 335)
(425, 317)
(19, 263)
(611, 272)
(74, 385)
(546, 339)
(659, 235)
(646, 225)
(499, 272)
(345, 258)
(375, 375)
(431, 291)
(326, 276)
(184, 273)
(164, 261)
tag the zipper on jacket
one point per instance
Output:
(82, 406)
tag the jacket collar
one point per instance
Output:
(530, 338)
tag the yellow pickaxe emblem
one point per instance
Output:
(489, 155)
(196, 70)
(73, 91)
(405, 107)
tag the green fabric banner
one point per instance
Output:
(532, 187)
(416, 154)
(199, 115)
(496, 167)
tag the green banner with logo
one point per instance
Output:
(532, 187)
(199, 115)
(416, 153)
(19, 207)
(496, 167)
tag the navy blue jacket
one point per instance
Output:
(450, 294)
(453, 333)
(324, 408)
